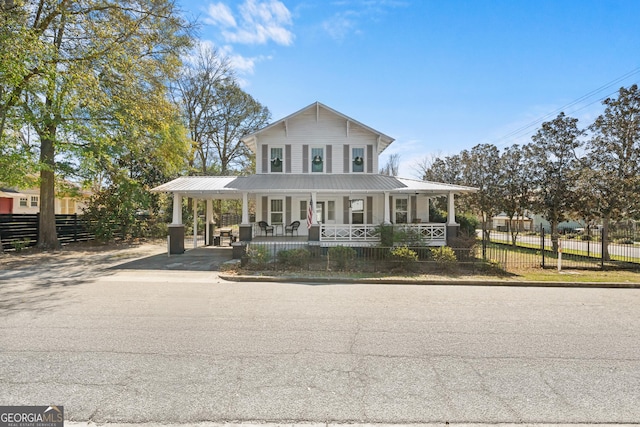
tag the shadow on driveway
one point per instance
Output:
(208, 258)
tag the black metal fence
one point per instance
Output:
(585, 249)
(487, 255)
(21, 230)
(300, 256)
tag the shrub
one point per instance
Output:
(341, 256)
(297, 258)
(386, 235)
(404, 257)
(19, 245)
(464, 246)
(259, 256)
(444, 257)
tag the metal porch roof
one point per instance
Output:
(303, 183)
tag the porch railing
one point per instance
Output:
(348, 232)
(368, 232)
(428, 232)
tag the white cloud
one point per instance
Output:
(259, 22)
(339, 26)
(220, 14)
(348, 21)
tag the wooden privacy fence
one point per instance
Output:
(21, 230)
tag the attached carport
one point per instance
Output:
(197, 188)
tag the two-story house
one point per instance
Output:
(320, 165)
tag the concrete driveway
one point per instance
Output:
(170, 346)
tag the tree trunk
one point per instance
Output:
(47, 236)
(605, 238)
(554, 237)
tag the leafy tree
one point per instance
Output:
(613, 161)
(100, 71)
(482, 170)
(239, 114)
(555, 170)
(515, 185)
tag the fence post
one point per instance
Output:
(602, 243)
(559, 255)
(484, 243)
(542, 244)
(75, 227)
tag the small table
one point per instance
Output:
(225, 233)
(278, 229)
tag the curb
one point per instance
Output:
(372, 281)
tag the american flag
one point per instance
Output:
(310, 213)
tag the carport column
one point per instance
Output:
(246, 229)
(176, 228)
(195, 223)
(209, 223)
(387, 220)
(452, 226)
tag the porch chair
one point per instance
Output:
(266, 228)
(291, 228)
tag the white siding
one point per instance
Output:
(324, 129)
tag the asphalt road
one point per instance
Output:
(186, 347)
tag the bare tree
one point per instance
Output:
(392, 167)
(197, 93)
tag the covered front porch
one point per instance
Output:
(327, 210)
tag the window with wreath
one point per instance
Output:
(357, 159)
(317, 160)
(277, 159)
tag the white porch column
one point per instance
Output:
(451, 213)
(208, 222)
(387, 219)
(177, 209)
(245, 208)
(195, 223)
(428, 206)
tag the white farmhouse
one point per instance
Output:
(319, 167)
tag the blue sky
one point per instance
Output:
(438, 76)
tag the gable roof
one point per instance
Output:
(383, 140)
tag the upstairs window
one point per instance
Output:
(277, 159)
(23, 202)
(357, 159)
(317, 160)
(34, 201)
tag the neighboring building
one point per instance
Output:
(500, 222)
(27, 201)
(539, 222)
(320, 164)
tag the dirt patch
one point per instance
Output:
(87, 251)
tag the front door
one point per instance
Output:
(320, 212)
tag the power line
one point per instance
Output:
(524, 129)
